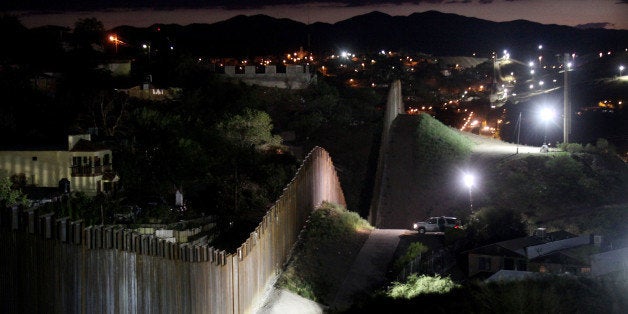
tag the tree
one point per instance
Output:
(107, 111)
(8, 196)
(251, 128)
(496, 224)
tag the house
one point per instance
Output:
(82, 166)
(542, 252)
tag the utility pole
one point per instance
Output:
(518, 131)
(566, 105)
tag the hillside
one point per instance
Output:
(427, 161)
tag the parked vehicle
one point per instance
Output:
(436, 224)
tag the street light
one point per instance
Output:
(116, 41)
(469, 181)
(547, 114)
(147, 47)
(621, 69)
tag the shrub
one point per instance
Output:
(571, 147)
(415, 249)
(417, 285)
(496, 224)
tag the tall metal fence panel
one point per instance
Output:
(51, 264)
(394, 107)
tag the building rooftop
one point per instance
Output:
(87, 146)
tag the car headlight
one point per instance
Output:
(414, 226)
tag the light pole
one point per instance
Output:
(147, 47)
(547, 114)
(114, 40)
(469, 181)
(621, 69)
(518, 131)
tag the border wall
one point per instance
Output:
(55, 265)
(394, 107)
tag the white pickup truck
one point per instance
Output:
(437, 224)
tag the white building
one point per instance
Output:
(85, 164)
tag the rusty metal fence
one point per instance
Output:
(51, 264)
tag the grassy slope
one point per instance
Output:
(331, 241)
(422, 171)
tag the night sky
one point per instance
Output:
(612, 14)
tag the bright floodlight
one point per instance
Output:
(540, 47)
(547, 114)
(621, 69)
(531, 63)
(469, 180)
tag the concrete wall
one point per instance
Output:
(295, 77)
(394, 107)
(50, 264)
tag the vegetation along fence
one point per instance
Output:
(430, 263)
(51, 264)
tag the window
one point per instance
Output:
(34, 158)
(484, 263)
(76, 161)
(106, 160)
(432, 221)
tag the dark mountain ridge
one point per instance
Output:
(430, 32)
